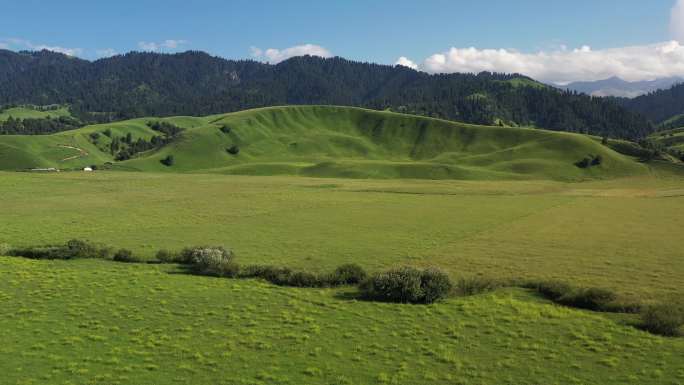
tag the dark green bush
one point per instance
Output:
(475, 285)
(283, 276)
(552, 290)
(665, 319)
(583, 163)
(435, 284)
(125, 255)
(588, 298)
(233, 150)
(168, 161)
(349, 274)
(580, 297)
(166, 256)
(72, 249)
(407, 284)
(225, 129)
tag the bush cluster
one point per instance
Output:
(665, 319)
(408, 285)
(72, 249)
(590, 298)
(589, 161)
(476, 285)
(348, 274)
(126, 256)
(212, 261)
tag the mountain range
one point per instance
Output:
(615, 86)
(195, 83)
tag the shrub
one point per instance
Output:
(302, 279)
(168, 161)
(475, 285)
(407, 284)
(283, 276)
(588, 298)
(74, 248)
(225, 129)
(166, 256)
(664, 319)
(233, 150)
(598, 159)
(584, 163)
(125, 255)
(349, 274)
(584, 298)
(214, 261)
(550, 289)
(435, 284)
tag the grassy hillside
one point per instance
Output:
(32, 113)
(340, 142)
(673, 138)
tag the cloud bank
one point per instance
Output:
(169, 44)
(23, 44)
(107, 52)
(274, 56)
(561, 66)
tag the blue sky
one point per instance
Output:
(378, 31)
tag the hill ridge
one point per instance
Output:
(331, 141)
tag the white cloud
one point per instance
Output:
(166, 44)
(406, 62)
(16, 43)
(255, 52)
(56, 48)
(677, 21)
(107, 52)
(561, 66)
(273, 55)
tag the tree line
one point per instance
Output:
(195, 83)
(33, 126)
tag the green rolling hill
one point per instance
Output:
(327, 141)
(673, 138)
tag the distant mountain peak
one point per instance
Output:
(616, 86)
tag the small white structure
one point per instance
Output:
(50, 169)
(87, 169)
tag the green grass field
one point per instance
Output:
(623, 234)
(313, 188)
(320, 141)
(96, 322)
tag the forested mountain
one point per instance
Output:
(195, 83)
(659, 106)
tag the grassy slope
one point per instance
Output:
(30, 113)
(22, 151)
(352, 142)
(95, 322)
(673, 138)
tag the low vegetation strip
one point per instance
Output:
(404, 284)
